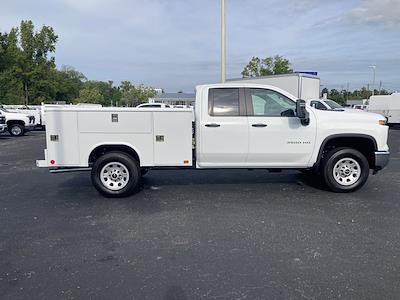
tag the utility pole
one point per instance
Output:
(223, 43)
(373, 79)
(380, 87)
(347, 92)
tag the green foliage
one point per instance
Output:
(26, 69)
(99, 92)
(90, 94)
(267, 66)
(134, 95)
(341, 96)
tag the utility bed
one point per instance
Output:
(160, 137)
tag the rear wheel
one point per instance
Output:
(16, 130)
(345, 170)
(116, 174)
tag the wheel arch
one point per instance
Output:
(364, 143)
(19, 122)
(102, 149)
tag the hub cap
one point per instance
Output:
(114, 176)
(15, 130)
(347, 171)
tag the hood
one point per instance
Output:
(347, 114)
(16, 113)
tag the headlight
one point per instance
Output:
(382, 122)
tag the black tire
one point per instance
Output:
(120, 159)
(346, 185)
(16, 130)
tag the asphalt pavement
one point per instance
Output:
(235, 234)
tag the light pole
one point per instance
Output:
(223, 42)
(373, 79)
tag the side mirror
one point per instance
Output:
(288, 113)
(302, 113)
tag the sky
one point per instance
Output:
(175, 44)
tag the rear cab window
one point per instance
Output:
(224, 102)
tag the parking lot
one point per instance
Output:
(195, 234)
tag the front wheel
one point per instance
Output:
(16, 130)
(116, 174)
(345, 170)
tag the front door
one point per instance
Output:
(276, 137)
(224, 129)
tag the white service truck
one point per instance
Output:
(234, 125)
(18, 123)
(27, 110)
(386, 105)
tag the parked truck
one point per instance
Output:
(234, 125)
(386, 105)
(18, 123)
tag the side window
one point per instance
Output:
(270, 103)
(223, 102)
(318, 105)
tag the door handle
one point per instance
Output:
(212, 125)
(259, 125)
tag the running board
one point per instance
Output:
(65, 170)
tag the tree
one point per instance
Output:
(90, 94)
(134, 95)
(26, 65)
(325, 91)
(68, 83)
(267, 66)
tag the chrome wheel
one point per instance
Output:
(16, 130)
(347, 171)
(114, 176)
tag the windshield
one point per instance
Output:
(332, 104)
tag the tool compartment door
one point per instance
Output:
(173, 138)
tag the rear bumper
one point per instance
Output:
(381, 160)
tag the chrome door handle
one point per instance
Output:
(212, 125)
(259, 125)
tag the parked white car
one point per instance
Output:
(325, 104)
(153, 105)
(18, 123)
(237, 125)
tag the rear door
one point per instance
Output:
(224, 129)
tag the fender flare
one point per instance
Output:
(342, 135)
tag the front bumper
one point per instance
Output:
(381, 160)
(3, 128)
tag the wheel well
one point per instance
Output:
(365, 144)
(11, 122)
(101, 150)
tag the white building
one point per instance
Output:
(186, 99)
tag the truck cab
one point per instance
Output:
(236, 125)
(18, 123)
